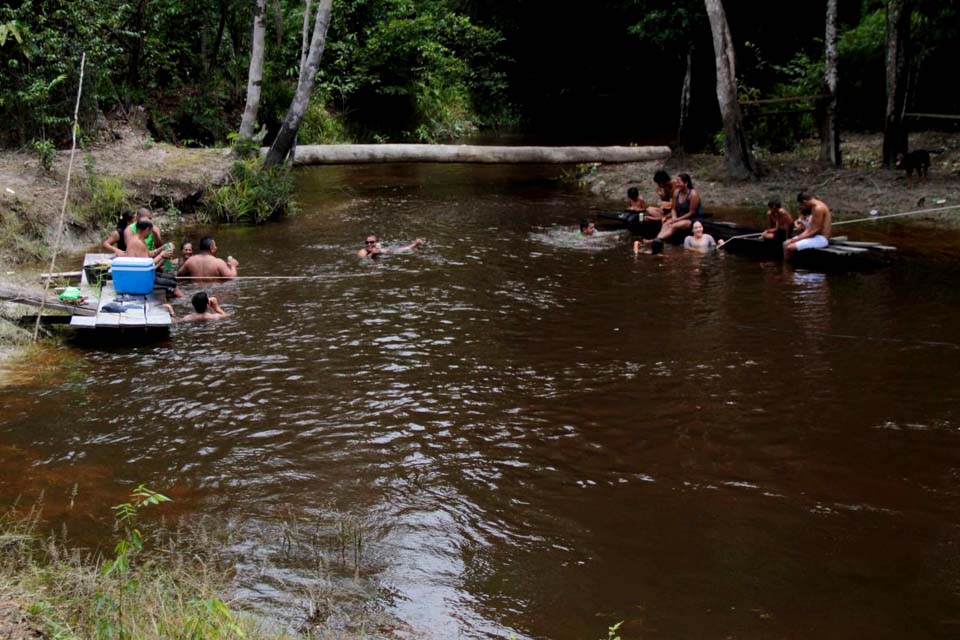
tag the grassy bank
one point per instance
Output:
(149, 585)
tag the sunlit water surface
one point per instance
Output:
(536, 433)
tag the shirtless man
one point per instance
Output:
(815, 236)
(154, 240)
(137, 244)
(779, 222)
(206, 308)
(587, 228)
(205, 266)
(372, 247)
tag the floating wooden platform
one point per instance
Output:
(150, 314)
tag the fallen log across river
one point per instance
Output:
(476, 154)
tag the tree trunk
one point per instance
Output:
(829, 134)
(136, 54)
(736, 148)
(304, 49)
(465, 153)
(898, 38)
(255, 76)
(685, 100)
(301, 99)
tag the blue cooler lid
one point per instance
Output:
(132, 264)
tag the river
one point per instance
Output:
(518, 430)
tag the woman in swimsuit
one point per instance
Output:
(699, 241)
(686, 208)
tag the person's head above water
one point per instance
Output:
(207, 245)
(200, 301)
(586, 227)
(371, 241)
(697, 229)
(186, 249)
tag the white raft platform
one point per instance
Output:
(150, 314)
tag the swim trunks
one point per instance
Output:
(813, 242)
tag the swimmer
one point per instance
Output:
(699, 241)
(587, 228)
(205, 308)
(372, 247)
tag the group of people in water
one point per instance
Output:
(680, 209)
(137, 236)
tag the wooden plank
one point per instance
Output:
(844, 251)
(937, 116)
(781, 100)
(866, 245)
(83, 322)
(64, 275)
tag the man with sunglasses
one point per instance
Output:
(372, 247)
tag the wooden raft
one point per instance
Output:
(150, 315)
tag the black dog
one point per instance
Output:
(917, 160)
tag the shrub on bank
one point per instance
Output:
(252, 194)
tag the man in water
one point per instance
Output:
(206, 266)
(587, 228)
(779, 222)
(205, 307)
(372, 247)
(817, 234)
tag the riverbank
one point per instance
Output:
(129, 171)
(858, 188)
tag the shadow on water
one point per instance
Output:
(537, 433)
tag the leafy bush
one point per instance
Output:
(253, 194)
(319, 126)
(46, 153)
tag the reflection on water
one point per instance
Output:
(538, 433)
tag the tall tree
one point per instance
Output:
(301, 100)
(829, 134)
(683, 123)
(898, 42)
(736, 148)
(255, 75)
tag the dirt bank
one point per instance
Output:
(861, 186)
(130, 167)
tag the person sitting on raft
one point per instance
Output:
(206, 266)
(666, 188)
(686, 208)
(698, 240)
(154, 241)
(802, 221)
(817, 234)
(779, 222)
(116, 242)
(372, 247)
(587, 228)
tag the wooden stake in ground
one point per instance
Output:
(66, 196)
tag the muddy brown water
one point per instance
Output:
(539, 434)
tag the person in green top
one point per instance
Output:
(154, 240)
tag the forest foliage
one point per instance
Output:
(435, 70)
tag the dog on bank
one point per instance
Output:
(917, 160)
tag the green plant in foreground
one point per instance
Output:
(127, 547)
(46, 153)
